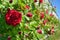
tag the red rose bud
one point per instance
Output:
(52, 31)
(13, 17)
(47, 11)
(19, 33)
(9, 38)
(45, 21)
(42, 15)
(29, 14)
(35, 0)
(27, 7)
(39, 31)
(40, 1)
(52, 26)
(8, 9)
(10, 1)
(51, 14)
(38, 27)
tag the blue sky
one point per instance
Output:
(57, 4)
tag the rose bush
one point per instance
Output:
(27, 20)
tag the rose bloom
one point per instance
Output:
(13, 17)
(10, 1)
(29, 14)
(41, 15)
(40, 1)
(35, 0)
(39, 31)
(45, 21)
(47, 11)
(9, 38)
(27, 7)
(51, 14)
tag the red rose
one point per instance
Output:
(13, 17)
(19, 32)
(52, 31)
(27, 7)
(51, 14)
(40, 1)
(9, 38)
(41, 15)
(37, 27)
(39, 31)
(10, 1)
(45, 21)
(29, 14)
(52, 26)
(35, 0)
(47, 11)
